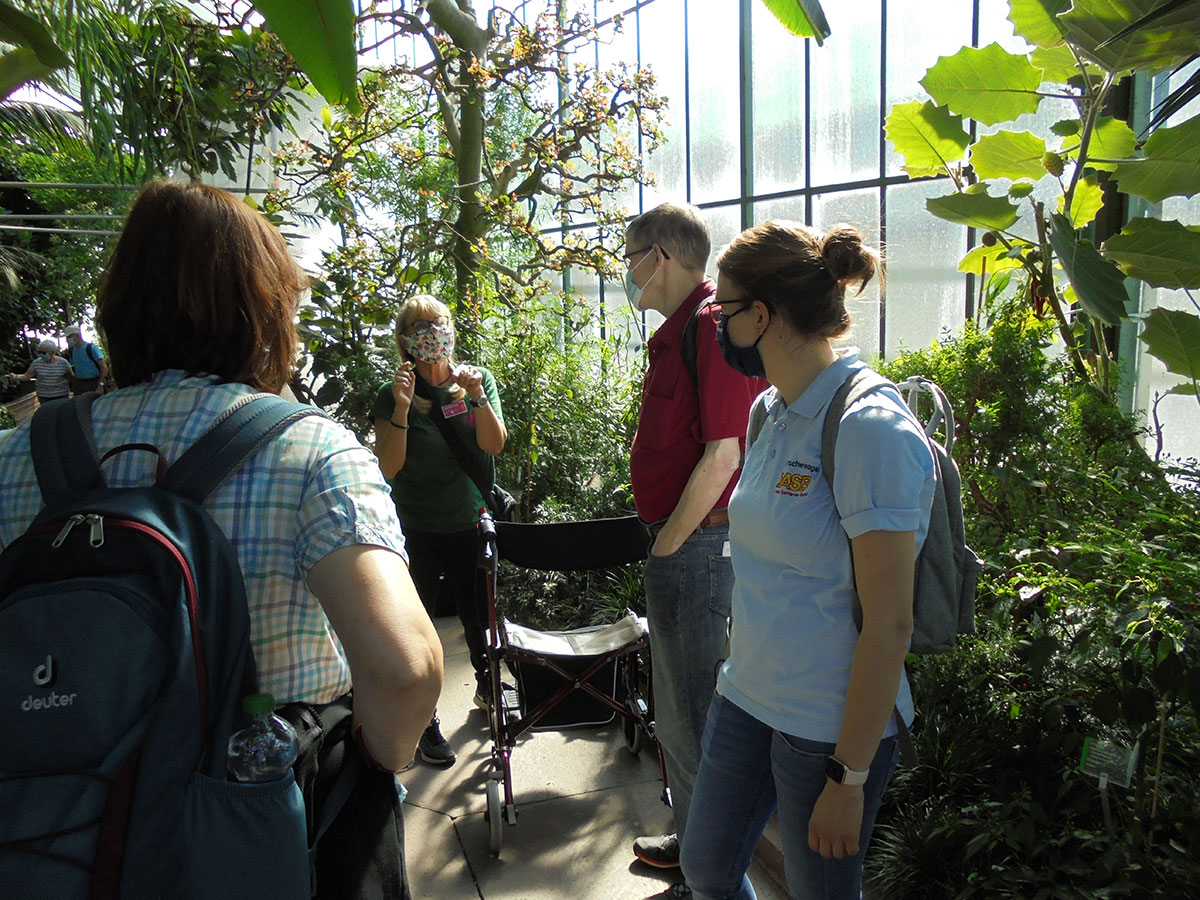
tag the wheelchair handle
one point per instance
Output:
(487, 539)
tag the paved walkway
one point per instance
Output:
(581, 798)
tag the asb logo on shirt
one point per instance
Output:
(796, 484)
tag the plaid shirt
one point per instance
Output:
(299, 498)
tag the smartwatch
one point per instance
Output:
(837, 771)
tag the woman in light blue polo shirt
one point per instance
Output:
(802, 717)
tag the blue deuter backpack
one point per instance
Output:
(124, 655)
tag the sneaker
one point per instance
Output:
(661, 851)
(483, 695)
(434, 748)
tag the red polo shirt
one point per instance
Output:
(679, 418)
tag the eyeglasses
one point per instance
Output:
(717, 310)
(632, 253)
(424, 326)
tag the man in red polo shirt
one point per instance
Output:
(684, 463)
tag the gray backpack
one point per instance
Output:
(946, 568)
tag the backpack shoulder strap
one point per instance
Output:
(688, 340)
(63, 448)
(858, 384)
(90, 348)
(238, 433)
(758, 417)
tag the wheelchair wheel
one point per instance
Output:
(495, 815)
(635, 737)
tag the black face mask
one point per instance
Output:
(746, 360)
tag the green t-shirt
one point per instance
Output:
(432, 492)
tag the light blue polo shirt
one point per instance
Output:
(793, 626)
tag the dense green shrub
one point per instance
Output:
(1087, 627)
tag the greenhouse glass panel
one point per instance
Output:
(724, 224)
(777, 59)
(845, 96)
(664, 20)
(791, 208)
(925, 292)
(918, 32)
(615, 49)
(860, 209)
(714, 98)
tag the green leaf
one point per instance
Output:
(804, 18)
(929, 137)
(1098, 283)
(18, 67)
(1058, 64)
(1187, 389)
(23, 30)
(1037, 20)
(319, 35)
(1171, 166)
(1086, 202)
(1009, 154)
(989, 84)
(1066, 127)
(1173, 336)
(993, 259)
(1111, 139)
(975, 210)
(1091, 24)
(1162, 254)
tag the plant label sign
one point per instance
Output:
(1106, 760)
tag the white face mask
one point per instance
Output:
(632, 291)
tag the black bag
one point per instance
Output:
(500, 502)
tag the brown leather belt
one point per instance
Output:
(712, 520)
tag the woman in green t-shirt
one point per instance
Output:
(438, 427)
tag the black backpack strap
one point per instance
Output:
(688, 339)
(236, 435)
(63, 447)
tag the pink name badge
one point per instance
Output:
(454, 409)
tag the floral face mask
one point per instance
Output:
(430, 344)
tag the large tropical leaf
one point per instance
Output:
(1009, 154)
(801, 17)
(929, 137)
(983, 260)
(1171, 166)
(1094, 25)
(23, 30)
(1111, 139)
(1162, 254)
(1173, 336)
(1037, 20)
(988, 84)
(34, 54)
(319, 35)
(1098, 283)
(1085, 202)
(976, 210)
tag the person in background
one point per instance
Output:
(50, 372)
(801, 720)
(197, 308)
(684, 463)
(438, 427)
(87, 359)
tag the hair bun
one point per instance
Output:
(847, 257)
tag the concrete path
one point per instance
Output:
(581, 799)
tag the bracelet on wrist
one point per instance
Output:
(396, 425)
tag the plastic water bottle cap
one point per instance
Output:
(258, 703)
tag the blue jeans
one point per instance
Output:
(687, 603)
(748, 768)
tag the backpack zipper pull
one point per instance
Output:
(97, 524)
(66, 529)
